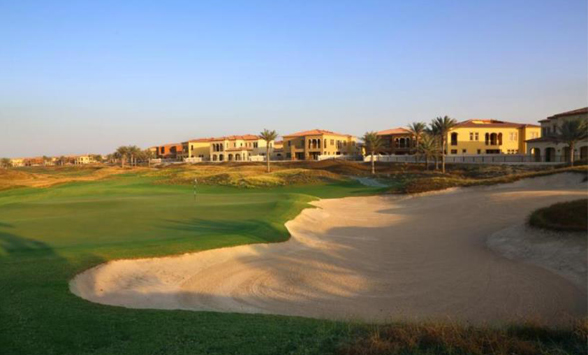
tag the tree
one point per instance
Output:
(571, 132)
(442, 125)
(373, 144)
(46, 159)
(96, 157)
(417, 129)
(5, 163)
(433, 132)
(268, 136)
(62, 160)
(429, 147)
(134, 152)
(122, 153)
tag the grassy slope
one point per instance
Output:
(49, 235)
(566, 216)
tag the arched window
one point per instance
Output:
(493, 139)
(499, 138)
(487, 138)
(454, 138)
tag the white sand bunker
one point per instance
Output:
(367, 258)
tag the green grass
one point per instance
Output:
(566, 216)
(49, 235)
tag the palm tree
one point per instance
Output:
(122, 152)
(429, 147)
(442, 126)
(268, 136)
(5, 163)
(373, 144)
(433, 132)
(134, 151)
(417, 129)
(571, 132)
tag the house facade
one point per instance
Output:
(238, 148)
(398, 141)
(548, 149)
(309, 145)
(172, 151)
(483, 136)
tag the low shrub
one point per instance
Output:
(566, 216)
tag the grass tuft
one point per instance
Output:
(566, 216)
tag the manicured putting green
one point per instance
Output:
(49, 235)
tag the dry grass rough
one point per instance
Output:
(455, 339)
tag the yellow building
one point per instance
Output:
(197, 148)
(548, 149)
(17, 162)
(309, 145)
(238, 148)
(82, 159)
(490, 137)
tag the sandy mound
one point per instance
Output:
(368, 258)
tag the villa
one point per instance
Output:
(238, 148)
(481, 136)
(317, 143)
(547, 149)
(172, 151)
(476, 136)
(397, 141)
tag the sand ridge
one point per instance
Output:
(375, 259)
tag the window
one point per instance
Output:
(479, 151)
(453, 151)
(464, 151)
(471, 136)
(453, 138)
(477, 136)
(289, 143)
(332, 142)
(254, 144)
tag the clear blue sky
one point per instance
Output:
(88, 76)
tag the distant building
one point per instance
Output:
(238, 148)
(172, 151)
(309, 145)
(197, 148)
(278, 152)
(547, 148)
(479, 136)
(397, 141)
(17, 162)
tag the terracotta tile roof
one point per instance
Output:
(315, 132)
(542, 139)
(492, 123)
(245, 137)
(569, 113)
(398, 130)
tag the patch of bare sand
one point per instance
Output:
(366, 258)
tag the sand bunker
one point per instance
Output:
(366, 258)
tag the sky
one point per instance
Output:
(82, 77)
